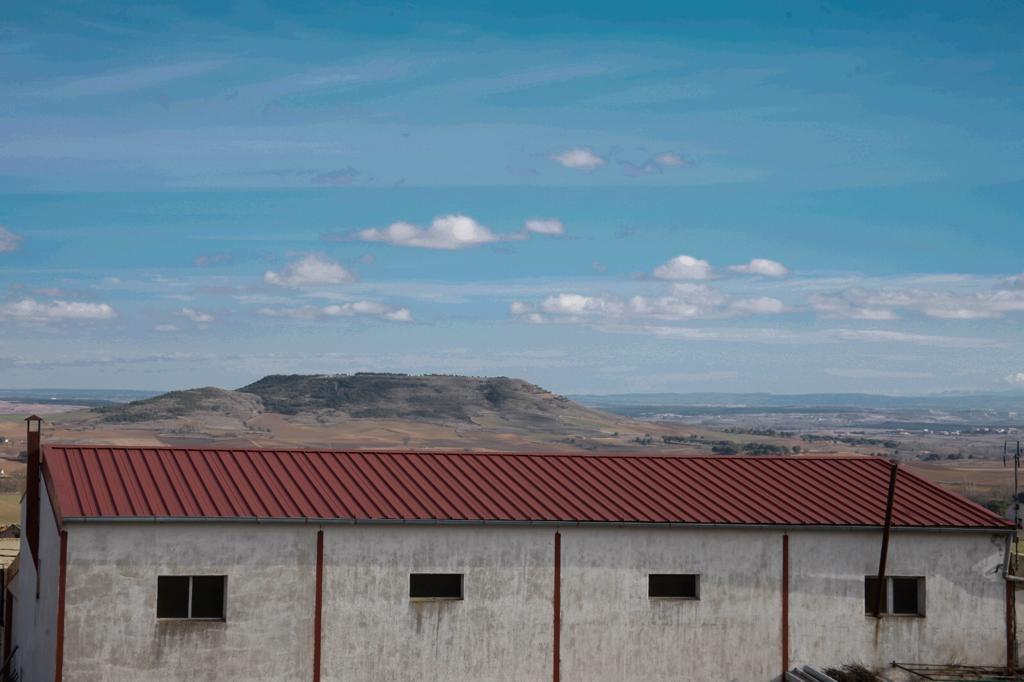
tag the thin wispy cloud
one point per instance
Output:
(872, 373)
(341, 177)
(29, 309)
(352, 309)
(8, 240)
(1015, 282)
(545, 226)
(197, 316)
(888, 304)
(683, 302)
(656, 164)
(127, 80)
(669, 159)
(783, 336)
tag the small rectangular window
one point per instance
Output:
(674, 585)
(435, 586)
(901, 596)
(196, 597)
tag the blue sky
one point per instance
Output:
(778, 197)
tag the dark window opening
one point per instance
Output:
(905, 596)
(208, 596)
(172, 596)
(674, 585)
(199, 597)
(435, 586)
(901, 596)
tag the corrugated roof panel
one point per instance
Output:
(98, 483)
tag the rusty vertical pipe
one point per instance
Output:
(1011, 626)
(556, 606)
(33, 429)
(880, 584)
(62, 580)
(8, 621)
(785, 604)
(318, 604)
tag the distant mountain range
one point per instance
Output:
(86, 397)
(1008, 400)
(953, 410)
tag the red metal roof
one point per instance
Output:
(182, 484)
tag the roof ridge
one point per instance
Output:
(487, 453)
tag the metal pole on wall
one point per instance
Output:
(880, 584)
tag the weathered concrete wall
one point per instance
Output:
(965, 603)
(613, 631)
(35, 620)
(503, 629)
(111, 630)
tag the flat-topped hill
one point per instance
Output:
(368, 410)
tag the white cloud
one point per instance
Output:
(580, 158)
(196, 316)
(311, 270)
(548, 226)
(762, 267)
(683, 267)
(353, 309)
(165, 328)
(8, 240)
(30, 309)
(1016, 378)
(445, 232)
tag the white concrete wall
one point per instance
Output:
(111, 629)
(965, 619)
(502, 630)
(35, 620)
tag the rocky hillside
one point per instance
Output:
(177, 404)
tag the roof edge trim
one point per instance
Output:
(522, 523)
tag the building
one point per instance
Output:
(173, 564)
